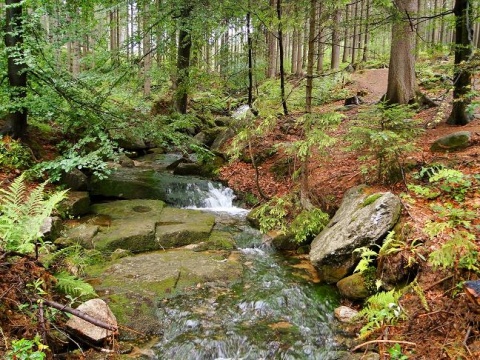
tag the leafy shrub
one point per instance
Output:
(308, 224)
(14, 155)
(22, 215)
(272, 215)
(384, 134)
(91, 153)
(25, 349)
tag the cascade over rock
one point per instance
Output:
(363, 219)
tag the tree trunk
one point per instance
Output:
(366, 35)
(183, 61)
(310, 57)
(250, 60)
(147, 56)
(401, 72)
(294, 51)
(272, 51)
(335, 63)
(280, 47)
(16, 125)
(320, 43)
(355, 34)
(346, 48)
(463, 53)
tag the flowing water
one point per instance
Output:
(273, 312)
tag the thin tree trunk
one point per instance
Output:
(346, 47)
(335, 63)
(355, 34)
(280, 47)
(310, 57)
(147, 56)
(294, 51)
(366, 36)
(250, 60)
(320, 40)
(272, 50)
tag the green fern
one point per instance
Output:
(381, 309)
(74, 287)
(22, 215)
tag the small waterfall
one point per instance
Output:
(215, 198)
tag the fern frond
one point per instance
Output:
(22, 216)
(70, 285)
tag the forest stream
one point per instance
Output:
(274, 312)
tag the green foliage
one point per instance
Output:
(460, 252)
(308, 224)
(22, 214)
(14, 155)
(314, 127)
(91, 153)
(25, 349)
(367, 257)
(381, 308)
(424, 191)
(396, 353)
(273, 214)
(384, 134)
(73, 259)
(69, 285)
(453, 182)
(454, 216)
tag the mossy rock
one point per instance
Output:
(357, 286)
(133, 286)
(452, 142)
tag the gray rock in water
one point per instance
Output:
(363, 219)
(452, 142)
(98, 309)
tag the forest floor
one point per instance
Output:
(447, 328)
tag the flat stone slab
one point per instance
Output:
(134, 285)
(180, 227)
(144, 225)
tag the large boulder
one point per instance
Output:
(452, 142)
(363, 219)
(99, 310)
